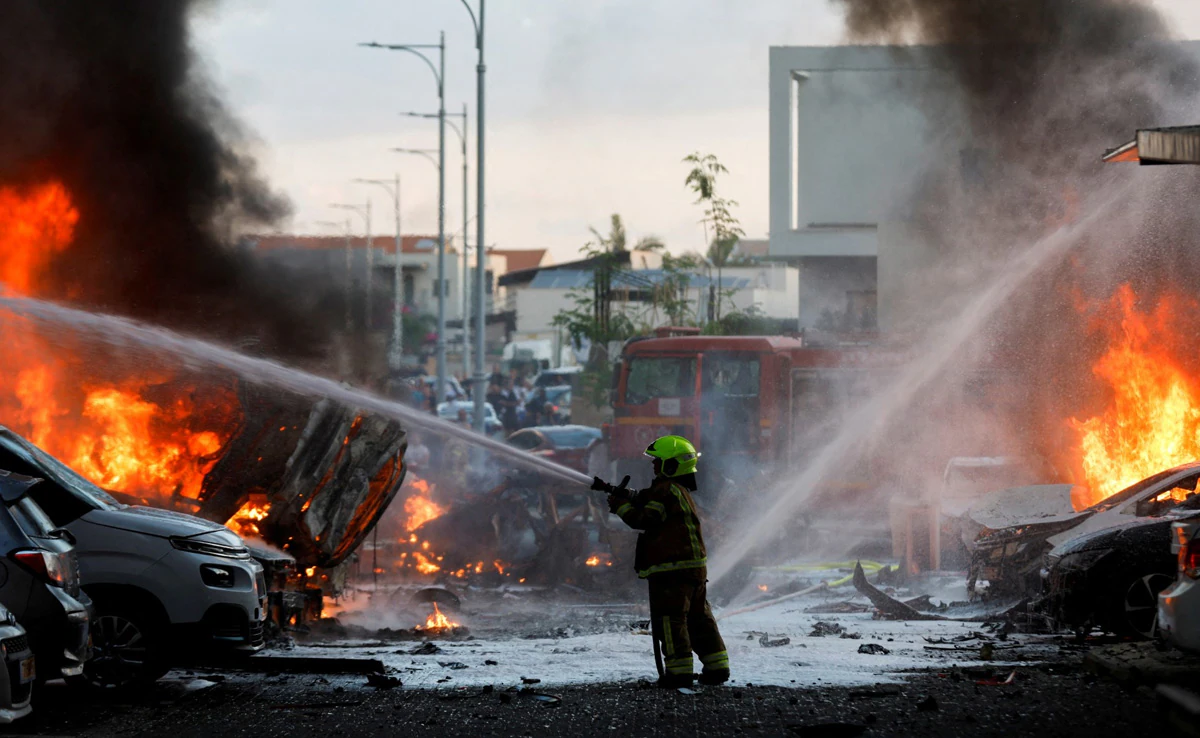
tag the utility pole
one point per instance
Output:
(480, 242)
(466, 261)
(439, 73)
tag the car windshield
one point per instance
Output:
(660, 377)
(571, 437)
(1137, 488)
(558, 393)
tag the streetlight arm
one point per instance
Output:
(423, 153)
(433, 116)
(474, 22)
(412, 49)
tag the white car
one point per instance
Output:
(166, 586)
(19, 669)
(1179, 604)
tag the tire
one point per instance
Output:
(1134, 611)
(127, 649)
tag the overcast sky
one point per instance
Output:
(591, 106)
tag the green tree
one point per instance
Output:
(722, 229)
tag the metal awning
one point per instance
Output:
(1179, 145)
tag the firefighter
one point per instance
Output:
(671, 557)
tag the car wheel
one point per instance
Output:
(1137, 613)
(125, 650)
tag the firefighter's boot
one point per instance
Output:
(674, 681)
(713, 677)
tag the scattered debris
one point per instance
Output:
(887, 606)
(549, 700)
(822, 629)
(850, 636)
(929, 704)
(490, 662)
(766, 642)
(453, 665)
(992, 682)
(383, 681)
(986, 652)
(529, 680)
(425, 649)
(686, 690)
(873, 648)
(837, 608)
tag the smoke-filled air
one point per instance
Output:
(890, 390)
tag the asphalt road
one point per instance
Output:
(1049, 700)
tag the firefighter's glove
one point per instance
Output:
(600, 485)
(615, 501)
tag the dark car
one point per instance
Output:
(1111, 578)
(40, 581)
(1026, 524)
(568, 445)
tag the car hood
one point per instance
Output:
(163, 523)
(1035, 504)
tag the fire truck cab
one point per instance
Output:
(749, 403)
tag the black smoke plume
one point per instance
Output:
(108, 99)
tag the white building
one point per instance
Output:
(769, 289)
(850, 131)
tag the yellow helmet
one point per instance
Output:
(677, 454)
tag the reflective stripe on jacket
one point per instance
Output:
(671, 538)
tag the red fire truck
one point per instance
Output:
(747, 402)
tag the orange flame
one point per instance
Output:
(437, 621)
(109, 431)
(418, 507)
(34, 227)
(245, 521)
(1152, 421)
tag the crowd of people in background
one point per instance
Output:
(517, 402)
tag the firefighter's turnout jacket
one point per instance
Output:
(670, 539)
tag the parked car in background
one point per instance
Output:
(1111, 578)
(39, 582)
(491, 422)
(563, 376)
(452, 386)
(167, 587)
(1020, 527)
(568, 445)
(19, 670)
(1179, 603)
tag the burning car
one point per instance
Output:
(1021, 526)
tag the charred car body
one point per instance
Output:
(1021, 527)
(1111, 578)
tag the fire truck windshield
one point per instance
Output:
(667, 376)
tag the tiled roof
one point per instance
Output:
(386, 244)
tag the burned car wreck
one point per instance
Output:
(1095, 565)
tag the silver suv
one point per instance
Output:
(167, 587)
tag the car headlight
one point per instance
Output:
(197, 546)
(1082, 559)
(221, 577)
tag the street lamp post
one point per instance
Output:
(439, 73)
(365, 213)
(466, 260)
(396, 352)
(480, 242)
